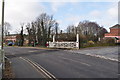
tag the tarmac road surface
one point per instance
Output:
(46, 63)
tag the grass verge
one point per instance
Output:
(7, 72)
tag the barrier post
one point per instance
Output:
(77, 40)
(53, 38)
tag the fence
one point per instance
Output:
(64, 44)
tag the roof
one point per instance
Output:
(12, 34)
(115, 26)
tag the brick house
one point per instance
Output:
(15, 38)
(114, 33)
(10, 38)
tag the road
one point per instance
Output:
(46, 63)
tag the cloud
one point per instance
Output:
(74, 0)
(95, 13)
(17, 12)
(111, 16)
(56, 5)
(73, 19)
(113, 12)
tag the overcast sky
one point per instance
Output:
(66, 12)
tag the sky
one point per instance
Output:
(65, 12)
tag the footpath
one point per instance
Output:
(110, 53)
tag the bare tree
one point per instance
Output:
(45, 24)
(40, 30)
(29, 30)
(7, 28)
(56, 29)
(21, 41)
(89, 29)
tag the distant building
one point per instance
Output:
(15, 38)
(114, 33)
(12, 38)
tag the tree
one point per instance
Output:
(29, 30)
(7, 28)
(91, 29)
(56, 30)
(40, 29)
(21, 41)
(45, 25)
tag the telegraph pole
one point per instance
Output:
(3, 3)
(2, 37)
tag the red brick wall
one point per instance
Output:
(10, 38)
(113, 32)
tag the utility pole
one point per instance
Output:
(3, 3)
(1, 41)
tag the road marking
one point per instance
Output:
(103, 57)
(40, 68)
(76, 61)
(94, 55)
(33, 51)
(31, 65)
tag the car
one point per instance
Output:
(10, 43)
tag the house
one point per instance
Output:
(114, 33)
(10, 38)
(15, 38)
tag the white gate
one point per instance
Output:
(64, 44)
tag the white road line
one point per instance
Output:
(76, 61)
(48, 74)
(45, 70)
(33, 51)
(98, 56)
(103, 57)
(31, 65)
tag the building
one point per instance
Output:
(10, 38)
(15, 38)
(114, 33)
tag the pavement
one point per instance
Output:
(110, 52)
(46, 63)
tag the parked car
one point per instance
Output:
(10, 43)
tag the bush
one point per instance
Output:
(109, 41)
(90, 42)
(87, 44)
